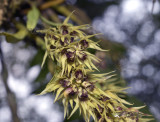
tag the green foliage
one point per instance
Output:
(18, 36)
(32, 18)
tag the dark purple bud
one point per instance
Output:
(72, 39)
(84, 44)
(70, 56)
(49, 36)
(63, 51)
(55, 38)
(65, 32)
(91, 87)
(82, 56)
(74, 33)
(66, 42)
(69, 92)
(79, 74)
(52, 47)
(61, 42)
(83, 96)
(72, 93)
(64, 82)
(63, 27)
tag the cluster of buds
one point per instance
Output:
(75, 82)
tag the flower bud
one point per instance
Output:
(52, 47)
(64, 82)
(64, 30)
(90, 87)
(72, 39)
(63, 51)
(74, 33)
(54, 37)
(83, 44)
(69, 92)
(65, 43)
(49, 36)
(70, 56)
(82, 56)
(79, 74)
(83, 95)
(61, 42)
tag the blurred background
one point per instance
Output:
(130, 31)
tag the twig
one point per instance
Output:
(10, 95)
(51, 3)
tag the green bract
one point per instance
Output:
(74, 82)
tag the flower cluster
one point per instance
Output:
(74, 81)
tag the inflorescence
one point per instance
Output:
(74, 80)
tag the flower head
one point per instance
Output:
(75, 84)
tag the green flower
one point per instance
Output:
(74, 82)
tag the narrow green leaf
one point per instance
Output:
(71, 103)
(145, 119)
(90, 36)
(67, 19)
(44, 59)
(32, 18)
(84, 108)
(86, 62)
(90, 111)
(58, 93)
(13, 38)
(49, 22)
(75, 108)
(111, 107)
(139, 107)
(50, 88)
(63, 63)
(114, 96)
(65, 107)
